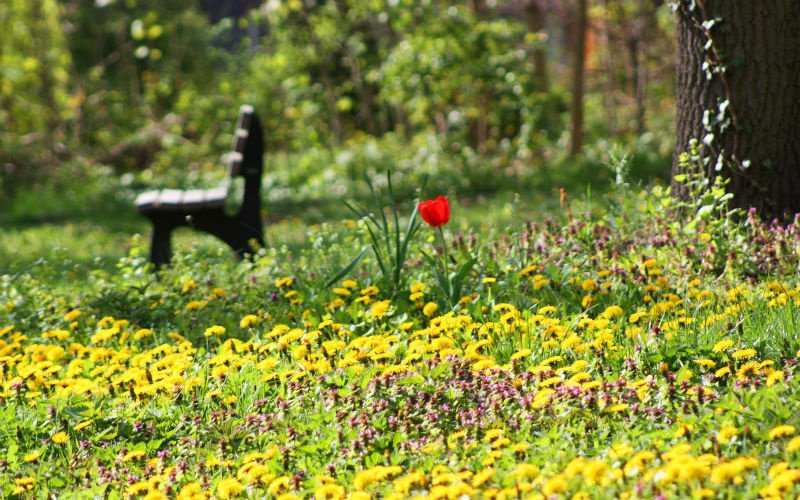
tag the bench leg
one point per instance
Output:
(236, 233)
(161, 244)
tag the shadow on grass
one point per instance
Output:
(64, 249)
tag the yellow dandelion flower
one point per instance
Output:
(776, 469)
(104, 334)
(747, 370)
(547, 309)
(229, 487)
(594, 471)
(349, 284)
(132, 455)
(550, 381)
(189, 285)
(725, 370)
(380, 308)
(142, 333)
(195, 305)
(32, 456)
(619, 407)
(370, 291)
(500, 442)
(72, 315)
(722, 345)
(488, 280)
(53, 334)
(329, 491)
(649, 263)
(621, 450)
(554, 486)
(612, 312)
(702, 493)
(248, 321)
(781, 431)
(137, 489)
(342, 292)
(25, 482)
(190, 491)
(482, 477)
(520, 447)
(743, 354)
(279, 485)
(589, 284)
(731, 471)
(635, 317)
(522, 353)
(525, 470)
(705, 363)
(284, 282)
(726, 434)
(540, 282)
(430, 309)
(504, 307)
(793, 444)
(405, 326)
(684, 429)
(60, 437)
(214, 330)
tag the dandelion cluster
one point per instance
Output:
(575, 365)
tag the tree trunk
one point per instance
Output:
(638, 81)
(480, 8)
(609, 71)
(534, 15)
(578, 74)
(747, 115)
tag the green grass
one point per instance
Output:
(629, 345)
(71, 247)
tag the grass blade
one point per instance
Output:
(346, 270)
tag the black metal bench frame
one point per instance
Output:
(204, 210)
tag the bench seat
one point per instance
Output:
(204, 209)
(175, 200)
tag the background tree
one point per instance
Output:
(578, 76)
(738, 93)
(35, 105)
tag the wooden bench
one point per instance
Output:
(204, 209)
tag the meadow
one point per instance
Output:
(629, 346)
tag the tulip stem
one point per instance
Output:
(446, 276)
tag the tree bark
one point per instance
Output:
(578, 74)
(535, 17)
(609, 70)
(747, 116)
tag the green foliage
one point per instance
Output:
(36, 108)
(345, 89)
(387, 239)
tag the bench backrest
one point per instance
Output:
(247, 159)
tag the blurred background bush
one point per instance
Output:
(103, 98)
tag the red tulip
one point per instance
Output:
(435, 212)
